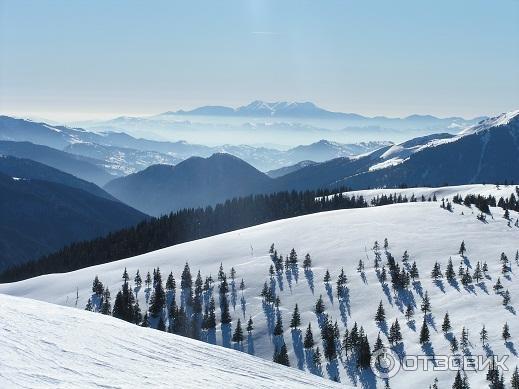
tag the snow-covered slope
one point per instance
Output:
(48, 346)
(340, 239)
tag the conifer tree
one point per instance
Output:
(506, 298)
(498, 287)
(170, 283)
(233, 273)
(450, 274)
(147, 282)
(380, 316)
(378, 343)
(424, 332)
(462, 249)
(137, 316)
(125, 277)
(145, 322)
(161, 326)
(514, 381)
(360, 268)
(211, 314)
(89, 306)
(224, 308)
(221, 272)
(386, 244)
(309, 337)
(237, 337)
(316, 358)
(426, 304)
(296, 318)
(413, 273)
(483, 335)
(307, 263)
(458, 382)
(506, 333)
(137, 280)
(342, 280)
(319, 306)
(242, 286)
(405, 257)
(158, 298)
(395, 334)
(446, 325)
(281, 356)
(106, 306)
(409, 312)
(278, 328)
(478, 273)
(97, 286)
(250, 326)
(327, 276)
(464, 338)
(293, 258)
(454, 344)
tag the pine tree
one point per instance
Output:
(386, 244)
(97, 286)
(237, 337)
(506, 333)
(319, 306)
(483, 335)
(424, 332)
(342, 280)
(378, 343)
(327, 276)
(446, 325)
(458, 382)
(170, 283)
(454, 344)
(478, 273)
(147, 282)
(462, 249)
(307, 263)
(137, 316)
(89, 306)
(125, 277)
(250, 326)
(360, 268)
(498, 286)
(409, 312)
(464, 338)
(296, 318)
(414, 271)
(405, 257)
(278, 328)
(233, 273)
(436, 272)
(158, 298)
(309, 337)
(211, 314)
(381, 314)
(426, 304)
(106, 307)
(316, 358)
(145, 322)
(224, 311)
(293, 258)
(242, 286)
(450, 274)
(514, 381)
(221, 272)
(395, 334)
(137, 280)
(281, 356)
(506, 298)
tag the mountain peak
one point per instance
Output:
(497, 121)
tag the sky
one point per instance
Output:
(69, 60)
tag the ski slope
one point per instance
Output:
(47, 346)
(340, 239)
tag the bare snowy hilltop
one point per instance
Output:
(410, 263)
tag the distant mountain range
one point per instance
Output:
(284, 109)
(99, 157)
(487, 152)
(42, 209)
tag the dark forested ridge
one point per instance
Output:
(181, 226)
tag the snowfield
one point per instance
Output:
(335, 240)
(47, 346)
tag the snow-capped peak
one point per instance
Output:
(501, 120)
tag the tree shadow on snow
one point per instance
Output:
(297, 342)
(417, 285)
(329, 291)
(511, 309)
(309, 275)
(250, 344)
(243, 304)
(482, 286)
(226, 335)
(439, 285)
(385, 288)
(279, 276)
(270, 315)
(454, 283)
(412, 325)
(510, 346)
(211, 336)
(332, 369)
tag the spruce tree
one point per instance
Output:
(454, 344)
(296, 318)
(426, 304)
(327, 276)
(450, 274)
(125, 277)
(464, 338)
(506, 298)
(170, 283)
(147, 282)
(483, 336)
(498, 287)
(506, 333)
(158, 298)
(413, 273)
(137, 280)
(89, 306)
(293, 258)
(309, 337)
(395, 334)
(462, 249)
(211, 314)
(307, 263)
(316, 358)
(281, 356)
(380, 316)
(278, 328)
(514, 381)
(458, 382)
(409, 312)
(446, 325)
(250, 326)
(224, 308)
(161, 326)
(319, 306)
(424, 332)
(145, 322)
(237, 337)
(106, 306)
(378, 343)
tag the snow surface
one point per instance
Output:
(47, 346)
(501, 120)
(340, 239)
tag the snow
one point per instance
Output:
(337, 239)
(47, 346)
(440, 192)
(501, 120)
(387, 163)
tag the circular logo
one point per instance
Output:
(384, 363)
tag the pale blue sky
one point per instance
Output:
(69, 59)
